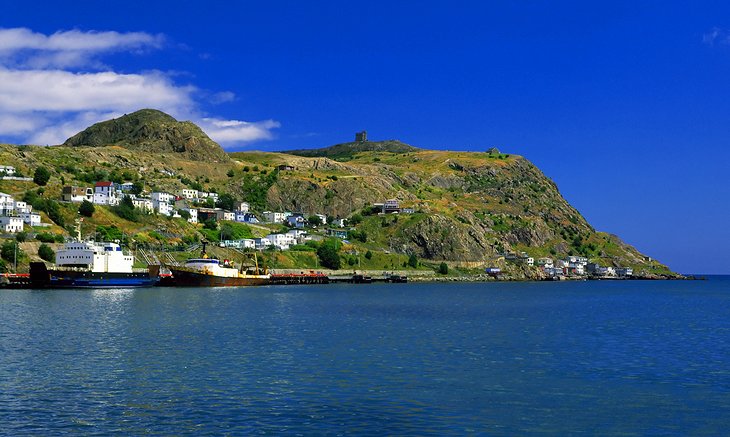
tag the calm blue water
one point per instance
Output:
(513, 358)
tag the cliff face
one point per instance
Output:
(152, 131)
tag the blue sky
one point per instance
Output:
(624, 104)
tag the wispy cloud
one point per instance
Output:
(51, 86)
(716, 35)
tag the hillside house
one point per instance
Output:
(105, 194)
(391, 206)
(11, 224)
(296, 221)
(189, 193)
(77, 194)
(20, 207)
(30, 218)
(281, 241)
(246, 217)
(126, 186)
(193, 214)
(241, 206)
(275, 217)
(285, 167)
(7, 170)
(7, 204)
(545, 263)
(262, 243)
(337, 233)
(143, 204)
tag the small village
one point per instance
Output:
(196, 206)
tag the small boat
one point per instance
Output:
(211, 272)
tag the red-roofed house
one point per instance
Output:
(105, 194)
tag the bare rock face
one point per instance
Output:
(151, 131)
(440, 237)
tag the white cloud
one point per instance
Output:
(69, 48)
(43, 101)
(233, 132)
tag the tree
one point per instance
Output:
(46, 253)
(314, 220)
(21, 237)
(230, 173)
(86, 208)
(184, 213)
(41, 176)
(8, 251)
(328, 254)
(137, 188)
(226, 201)
(413, 260)
(126, 209)
(444, 268)
(368, 255)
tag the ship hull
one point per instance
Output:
(186, 278)
(41, 277)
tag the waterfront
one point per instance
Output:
(643, 357)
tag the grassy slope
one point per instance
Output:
(430, 181)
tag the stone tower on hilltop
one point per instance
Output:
(361, 137)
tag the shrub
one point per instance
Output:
(328, 254)
(45, 237)
(230, 173)
(41, 176)
(21, 237)
(443, 268)
(46, 253)
(8, 251)
(126, 209)
(413, 260)
(86, 208)
(368, 255)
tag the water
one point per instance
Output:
(513, 358)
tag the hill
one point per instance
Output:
(150, 130)
(346, 151)
(468, 209)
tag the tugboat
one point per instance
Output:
(211, 272)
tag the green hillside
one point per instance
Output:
(469, 207)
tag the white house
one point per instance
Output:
(340, 223)
(546, 263)
(162, 197)
(229, 216)
(281, 241)
(242, 207)
(11, 224)
(275, 217)
(77, 194)
(19, 207)
(9, 170)
(105, 194)
(189, 193)
(7, 203)
(299, 235)
(193, 214)
(161, 202)
(262, 243)
(31, 218)
(163, 208)
(143, 204)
